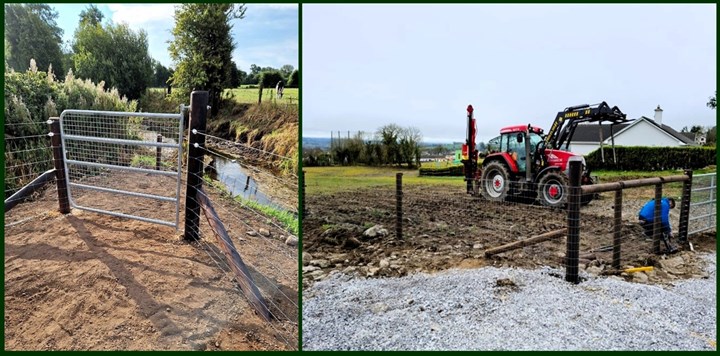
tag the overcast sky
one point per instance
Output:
(365, 66)
(267, 36)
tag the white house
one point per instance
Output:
(640, 132)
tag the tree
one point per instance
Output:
(91, 15)
(270, 78)
(202, 47)
(711, 137)
(697, 129)
(286, 70)
(233, 76)
(294, 80)
(160, 75)
(114, 54)
(712, 103)
(31, 32)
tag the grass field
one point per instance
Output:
(250, 95)
(246, 95)
(328, 180)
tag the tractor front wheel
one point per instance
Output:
(495, 181)
(553, 190)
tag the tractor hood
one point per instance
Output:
(560, 158)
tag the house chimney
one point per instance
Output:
(658, 115)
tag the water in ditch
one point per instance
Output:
(239, 181)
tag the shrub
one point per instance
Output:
(653, 158)
(33, 96)
(454, 171)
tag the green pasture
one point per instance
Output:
(246, 95)
(250, 95)
(328, 180)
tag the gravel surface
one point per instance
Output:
(509, 309)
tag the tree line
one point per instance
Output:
(118, 56)
(390, 145)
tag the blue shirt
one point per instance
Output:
(648, 211)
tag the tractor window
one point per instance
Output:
(534, 140)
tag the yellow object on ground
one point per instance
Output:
(639, 269)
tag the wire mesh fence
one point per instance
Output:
(395, 229)
(26, 159)
(266, 246)
(113, 156)
(703, 207)
(107, 154)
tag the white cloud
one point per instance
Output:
(139, 15)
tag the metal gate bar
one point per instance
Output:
(121, 141)
(710, 217)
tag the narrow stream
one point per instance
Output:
(239, 181)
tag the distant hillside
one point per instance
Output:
(316, 142)
(324, 143)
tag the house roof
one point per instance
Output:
(689, 135)
(591, 133)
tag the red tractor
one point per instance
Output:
(526, 163)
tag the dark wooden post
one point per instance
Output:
(398, 205)
(196, 152)
(302, 194)
(158, 153)
(572, 252)
(617, 236)
(657, 223)
(685, 207)
(260, 94)
(247, 183)
(59, 163)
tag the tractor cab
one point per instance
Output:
(512, 144)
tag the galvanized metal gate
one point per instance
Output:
(123, 163)
(703, 213)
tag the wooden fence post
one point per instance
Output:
(657, 222)
(572, 251)
(302, 195)
(685, 207)
(59, 163)
(398, 205)
(158, 153)
(617, 235)
(196, 152)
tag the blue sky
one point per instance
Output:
(421, 65)
(267, 36)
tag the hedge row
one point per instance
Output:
(652, 158)
(455, 171)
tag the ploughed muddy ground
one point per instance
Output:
(90, 281)
(445, 228)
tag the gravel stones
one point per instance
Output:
(509, 309)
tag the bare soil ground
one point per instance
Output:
(86, 281)
(444, 228)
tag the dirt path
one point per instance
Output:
(444, 228)
(86, 281)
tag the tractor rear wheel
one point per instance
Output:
(553, 190)
(495, 181)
